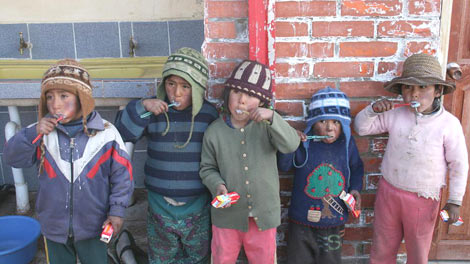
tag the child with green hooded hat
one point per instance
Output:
(173, 123)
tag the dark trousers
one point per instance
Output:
(89, 251)
(307, 245)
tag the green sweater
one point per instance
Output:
(245, 161)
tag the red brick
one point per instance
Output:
(221, 69)
(364, 89)
(369, 216)
(299, 90)
(405, 29)
(357, 106)
(343, 29)
(223, 29)
(373, 181)
(287, 70)
(367, 200)
(290, 108)
(371, 164)
(358, 233)
(217, 9)
(299, 125)
(362, 144)
(343, 69)
(305, 9)
(414, 47)
(424, 7)
(219, 50)
(368, 49)
(386, 67)
(378, 145)
(291, 29)
(285, 184)
(348, 250)
(371, 8)
(215, 91)
(299, 49)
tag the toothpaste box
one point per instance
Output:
(222, 200)
(107, 233)
(445, 217)
(350, 203)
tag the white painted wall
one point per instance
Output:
(54, 11)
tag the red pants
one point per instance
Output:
(401, 214)
(259, 246)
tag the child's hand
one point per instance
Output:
(116, 221)
(156, 106)
(454, 212)
(46, 125)
(302, 135)
(222, 190)
(382, 106)
(260, 114)
(357, 197)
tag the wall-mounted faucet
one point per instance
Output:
(24, 44)
(132, 46)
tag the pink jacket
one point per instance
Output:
(418, 157)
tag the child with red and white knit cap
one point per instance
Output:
(239, 155)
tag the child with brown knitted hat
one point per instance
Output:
(85, 176)
(173, 123)
(425, 144)
(239, 155)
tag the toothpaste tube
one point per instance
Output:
(107, 233)
(445, 217)
(350, 203)
(222, 200)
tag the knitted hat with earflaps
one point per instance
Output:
(420, 69)
(328, 104)
(190, 65)
(70, 76)
(252, 78)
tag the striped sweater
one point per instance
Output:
(169, 171)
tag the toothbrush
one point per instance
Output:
(413, 104)
(61, 117)
(317, 138)
(239, 112)
(144, 115)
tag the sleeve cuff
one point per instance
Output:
(117, 210)
(31, 134)
(459, 203)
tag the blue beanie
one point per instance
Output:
(328, 103)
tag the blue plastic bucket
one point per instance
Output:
(18, 239)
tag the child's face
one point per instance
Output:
(328, 127)
(423, 94)
(60, 102)
(239, 105)
(179, 90)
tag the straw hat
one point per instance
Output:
(420, 69)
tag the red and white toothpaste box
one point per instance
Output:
(445, 217)
(107, 233)
(350, 203)
(222, 200)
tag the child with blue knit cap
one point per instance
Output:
(326, 167)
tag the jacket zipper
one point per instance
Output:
(72, 147)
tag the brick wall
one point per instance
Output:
(351, 45)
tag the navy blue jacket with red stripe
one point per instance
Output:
(75, 198)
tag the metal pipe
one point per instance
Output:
(21, 187)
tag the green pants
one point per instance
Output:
(89, 251)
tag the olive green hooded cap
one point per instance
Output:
(190, 65)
